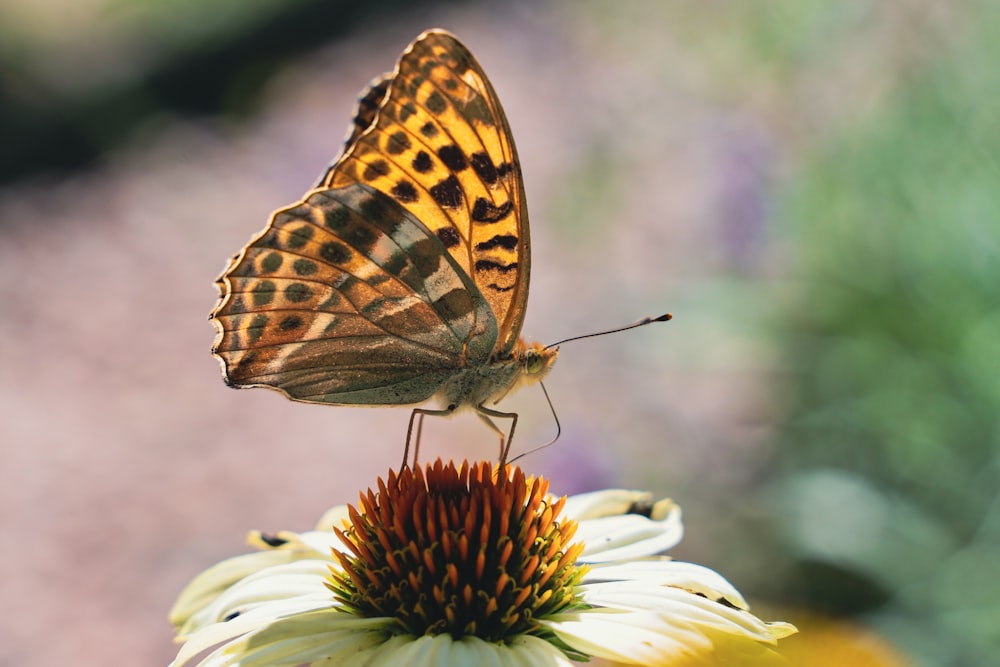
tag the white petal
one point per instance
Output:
(628, 536)
(301, 638)
(381, 654)
(323, 542)
(646, 638)
(443, 651)
(288, 581)
(634, 638)
(254, 619)
(205, 587)
(665, 572)
(610, 502)
(285, 580)
(528, 651)
(678, 607)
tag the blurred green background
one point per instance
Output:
(812, 188)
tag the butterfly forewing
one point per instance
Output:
(347, 298)
(368, 105)
(439, 144)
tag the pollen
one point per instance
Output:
(460, 551)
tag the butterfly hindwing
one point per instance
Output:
(368, 106)
(347, 298)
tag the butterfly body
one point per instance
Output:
(487, 384)
(403, 275)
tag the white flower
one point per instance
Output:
(446, 566)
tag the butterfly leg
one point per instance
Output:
(485, 413)
(420, 427)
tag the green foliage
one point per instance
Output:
(893, 345)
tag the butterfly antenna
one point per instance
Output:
(558, 428)
(641, 323)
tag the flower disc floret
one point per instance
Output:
(458, 551)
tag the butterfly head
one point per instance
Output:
(536, 360)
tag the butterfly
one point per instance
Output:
(402, 275)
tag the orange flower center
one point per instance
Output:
(458, 551)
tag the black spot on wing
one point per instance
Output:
(395, 264)
(290, 323)
(359, 235)
(254, 332)
(334, 252)
(405, 192)
(426, 257)
(436, 103)
(298, 292)
(299, 237)
(271, 238)
(263, 293)
(449, 236)
(367, 106)
(422, 163)
(304, 267)
(485, 211)
(406, 111)
(377, 208)
(505, 241)
(429, 130)
(247, 269)
(271, 262)
(484, 168)
(335, 217)
(448, 193)
(375, 169)
(397, 142)
(452, 157)
(490, 265)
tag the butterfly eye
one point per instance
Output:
(533, 362)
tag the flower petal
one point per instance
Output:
(435, 651)
(609, 502)
(629, 536)
(287, 581)
(613, 502)
(632, 638)
(665, 572)
(208, 585)
(679, 608)
(646, 638)
(300, 637)
(205, 588)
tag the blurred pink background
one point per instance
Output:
(648, 154)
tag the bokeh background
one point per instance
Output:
(813, 189)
